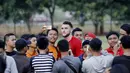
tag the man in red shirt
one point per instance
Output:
(115, 47)
(75, 44)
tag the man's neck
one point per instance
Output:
(9, 49)
(52, 44)
(31, 49)
(69, 38)
(42, 51)
(63, 54)
(127, 52)
(96, 53)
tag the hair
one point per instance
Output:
(20, 44)
(86, 42)
(95, 44)
(42, 43)
(63, 45)
(125, 41)
(6, 37)
(25, 36)
(2, 44)
(68, 23)
(52, 29)
(126, 27)
(112, 33)
(76, 29)
(32, 35)
(41, 35)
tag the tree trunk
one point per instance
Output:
(111, 20)
(96, 27)
(101, 28)
(28, 26)
(14, 28)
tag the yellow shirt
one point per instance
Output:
(30, 54)
(53, 51)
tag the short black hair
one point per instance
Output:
(25, 36)
(125, 41)
(42, 43)
(76, 29)
(68, 23)
(32, 35)
(126, 27)
(20, 44)
(112, 33)
(53, 29)
(86, 42)
(95, 44)
(7, 36)
(41, 35)
(63, 45)
(2, 44)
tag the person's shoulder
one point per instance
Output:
(9, 58)
(119, 57)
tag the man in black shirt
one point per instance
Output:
(124, 59)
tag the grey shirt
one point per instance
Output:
(10, 65)
(61, 67)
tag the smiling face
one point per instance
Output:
(52, 36)
(78, 34)
(65, 30)
(113, 40)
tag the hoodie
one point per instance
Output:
(61, 67)
(97, 64)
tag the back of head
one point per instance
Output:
(112, 33)
(125, 41)
(68, 23)
(63, 45)
(76, 29)
(95, 44)
(6, 37)
(42, 43)
(20, 44)
(86, 42)
(126, 27)
(2, 44)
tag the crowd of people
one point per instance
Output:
(76, 52)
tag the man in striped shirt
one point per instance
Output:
(43, 62)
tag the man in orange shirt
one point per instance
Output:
(52, 35)
(32, 51)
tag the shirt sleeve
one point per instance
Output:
(13, 67)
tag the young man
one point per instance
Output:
(125, 30)
(125, 58)
(43, 62)
(32, 51)
(99, 61)
(10, 40)
(52, 35)
(115, 47)
(75, 44)
(63, 65)
(77, 32)
(9, 61)
(20, 58)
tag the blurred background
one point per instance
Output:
(97, 16)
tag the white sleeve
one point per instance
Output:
(13, 66)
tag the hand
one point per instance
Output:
(115, 48)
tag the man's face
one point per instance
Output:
(113, 40)
(11, 41)
(52, 36)
(78, 34)
(65, 30)
(33, 42)
(123, 32)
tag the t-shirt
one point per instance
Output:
(125, 60)
(11, 53)
(42, 63)
(30, 54)
(119, 52)
(75, 46)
